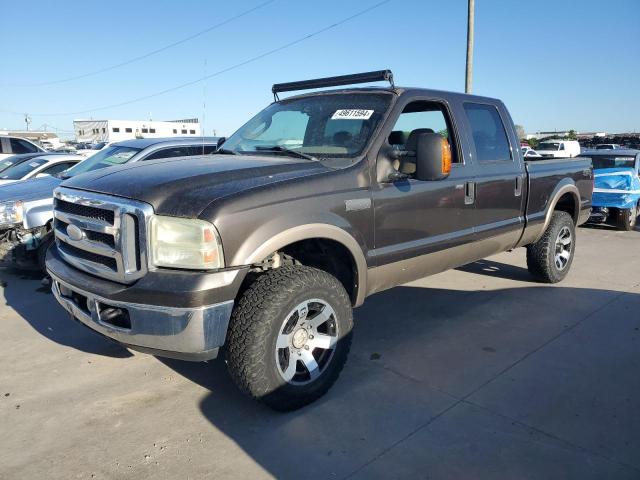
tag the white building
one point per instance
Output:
(117, 130)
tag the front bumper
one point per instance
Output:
(188, 332)
(19, 246)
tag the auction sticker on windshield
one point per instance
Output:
(352, 114)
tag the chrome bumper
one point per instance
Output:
(185, 333)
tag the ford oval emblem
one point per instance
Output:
(74, 233)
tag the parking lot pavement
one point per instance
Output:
(474, 373)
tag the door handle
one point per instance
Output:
(469, 193)
(518, 190)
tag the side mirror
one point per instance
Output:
(433, 157)
(221, 140)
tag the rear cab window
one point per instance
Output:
(488, 133)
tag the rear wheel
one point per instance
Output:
(289, 336)
(550, 258)
(627, 218)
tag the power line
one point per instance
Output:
(145, 55)
(219, 72)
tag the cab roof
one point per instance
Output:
(411, 91)
(148, 142)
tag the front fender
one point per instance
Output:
(280, 232)
(37, 213)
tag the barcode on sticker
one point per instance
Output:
(352, 114)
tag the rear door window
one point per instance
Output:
(202, 150)
(21, 146)
(489, 134)
(58, 167)
(169, 153)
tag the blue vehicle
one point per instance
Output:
(616, 192)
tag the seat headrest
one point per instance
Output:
(412, 140)
(398, 137)
(342, 138)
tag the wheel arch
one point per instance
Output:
(249, 255)
(565, 197)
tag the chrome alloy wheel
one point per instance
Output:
(306, 342)
(563, 248)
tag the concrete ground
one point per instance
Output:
(473, 373)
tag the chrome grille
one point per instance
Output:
(101, 234)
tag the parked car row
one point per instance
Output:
(616, 195)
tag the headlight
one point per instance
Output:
(184, 243)
(11, 213)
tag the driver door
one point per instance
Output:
(414, 217)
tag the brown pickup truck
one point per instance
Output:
(317, 202)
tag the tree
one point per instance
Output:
(572, 135)
(520, 131)
(533, 142)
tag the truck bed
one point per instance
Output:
(547, 174)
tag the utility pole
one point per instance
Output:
(27, 120)
(469, 73)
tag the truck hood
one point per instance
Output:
(27, 190)
(184, 187)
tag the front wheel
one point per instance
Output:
(289, 336)
(550, 258)
(627, 218)
(41, 253)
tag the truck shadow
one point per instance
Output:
(33, 301)
(497, 269)
(416, 351)
(610, 228)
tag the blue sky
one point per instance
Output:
(556, 64)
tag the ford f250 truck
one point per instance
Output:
(317, 202)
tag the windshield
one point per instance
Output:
(107, 157)
(603, 161)
(549, 146)
(5, 164)
(22, 169)
(331, 125)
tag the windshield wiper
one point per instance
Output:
(294, 153)
(224, 151)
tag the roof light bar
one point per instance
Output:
(366, 77)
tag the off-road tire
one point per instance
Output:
(541, 255)
(627, 218)
(255, 324)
